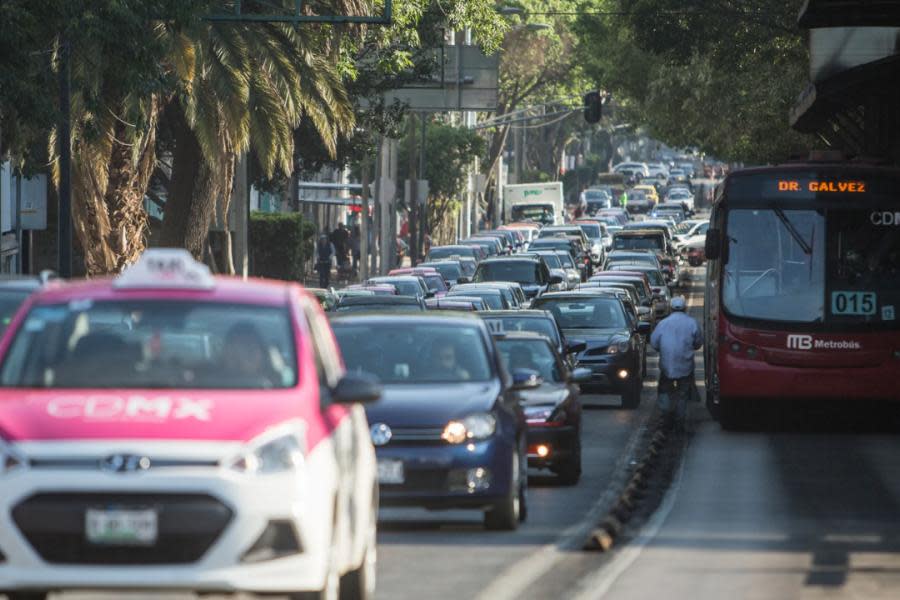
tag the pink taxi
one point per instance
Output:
(170, 430)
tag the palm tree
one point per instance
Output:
(233, 87)
(253, 85)
(113, 142)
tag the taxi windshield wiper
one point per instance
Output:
(804, 245)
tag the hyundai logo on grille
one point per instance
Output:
(125, 463)
(381, 434)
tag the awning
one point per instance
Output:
(847, 91)
(849, 13)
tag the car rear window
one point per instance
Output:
(152, 344)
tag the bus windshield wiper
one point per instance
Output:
(804, 245)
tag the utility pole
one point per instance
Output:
(413, 194)
(423, 225)
(364, 223)
(64, 140)
(240, 218)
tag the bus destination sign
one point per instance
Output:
(822, 186)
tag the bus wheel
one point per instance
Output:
(731, 417)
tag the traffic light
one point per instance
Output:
(593, 107)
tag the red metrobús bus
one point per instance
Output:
(803, 287)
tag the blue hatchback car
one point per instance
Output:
(449, 430)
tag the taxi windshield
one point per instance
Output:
(152, 344)
(414, 354)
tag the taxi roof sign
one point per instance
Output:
(166, 268)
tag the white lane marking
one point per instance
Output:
(518, 577)
(598, 585)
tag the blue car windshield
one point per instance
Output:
(414, 353)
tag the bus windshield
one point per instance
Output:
(782, 279)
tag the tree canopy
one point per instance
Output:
(717, 75)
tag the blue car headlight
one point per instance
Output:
(479, 426)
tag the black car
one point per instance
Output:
(494, 299)
(614, 348)
(442, 252)
(506, 288)
(553, 409)
(644, 312)
(350, 304)
(464, 304)
(507, 239)
(491, 246)
(529, 272)
(450, 270)
(449, 430)
(540, 322)
(570, 244)
(407, 285)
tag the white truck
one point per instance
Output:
(539, 202)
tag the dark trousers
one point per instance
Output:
(674, 394)
(324, 270)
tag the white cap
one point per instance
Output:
(677, 303)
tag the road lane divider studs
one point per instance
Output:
(612, 525)
(600, 541)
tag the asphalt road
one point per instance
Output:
(796, 514)
(804, 508)
(440, 555)
(425, 554)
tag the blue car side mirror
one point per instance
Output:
(526, 379)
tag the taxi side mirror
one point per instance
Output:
(556, 279)
(356, 388)
(643, 327)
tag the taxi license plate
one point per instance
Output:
(116, 527)
(390, 471)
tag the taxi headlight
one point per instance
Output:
(10, 459)
(283, 452)
(474, 427)
(617, 347)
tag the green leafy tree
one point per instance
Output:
(449, 151)
(537, 68)
(718, 75)
(253, 85)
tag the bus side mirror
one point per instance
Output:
(713, 244)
